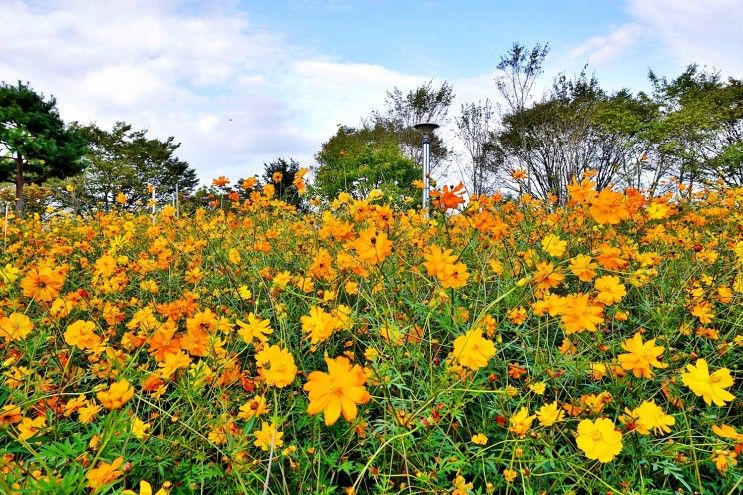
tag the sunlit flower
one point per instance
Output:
(268, 437)
(338, 391)
(276, 366)
(599, 439)
(103, 474)
(15, 327)
(650, 417)
(641, 356)
(521, 422)
(550, 414)
(255, 329)
(117, 395)
(710, 387)
(473, 350)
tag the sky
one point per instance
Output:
(239, 83)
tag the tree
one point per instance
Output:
(699, 130)
(281, 173)
(127, 161)
(518, 69)
(576, 128)
(35, 144)
(359, 160)
(403, 110)
(475, 125)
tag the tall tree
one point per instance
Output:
(518, 70)
(35, 144)
(699, 129)
(127, 161)
(475, 125)
(403, 111)
(359, 160)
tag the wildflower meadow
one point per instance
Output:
(501, 345)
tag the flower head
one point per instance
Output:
(641, 356)
(711, 387)
(337, 391)
(599, 439)
(276, 366)
(15, 327)
(472, 350)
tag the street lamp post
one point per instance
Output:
(426, 129)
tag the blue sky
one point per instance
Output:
(239, 83)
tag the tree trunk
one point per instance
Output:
(19, 203)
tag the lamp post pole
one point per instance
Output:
(426, 129)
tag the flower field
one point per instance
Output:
(502, 346)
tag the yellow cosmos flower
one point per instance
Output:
(255, 329)
(146, 489)
(319, 324)
(553, 245)
(610, 288)
(479, 439)
(337, 391)
(651, 417)
(549, 414)
(256, 406)
(521, 422)
(599, 439)
(276, 366)
(268, 435)
(15, 327)
(712, 387)
(472, 350)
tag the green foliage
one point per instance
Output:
(126, 161)
(359, 160)
(35, 144)
(285, 171)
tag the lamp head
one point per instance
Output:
(426, 127)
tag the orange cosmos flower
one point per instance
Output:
(372, 246)
(641, 357)
(448, 197)
(220, 181)
(337, 391)
(42, 284)
(608, 207)
(578, 313)
(82, 334)
(10, 414)
(104, 474)
(117, 395)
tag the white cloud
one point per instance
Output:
(706, 32)
(233, 94)
(603, 49)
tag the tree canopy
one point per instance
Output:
(35, 144)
